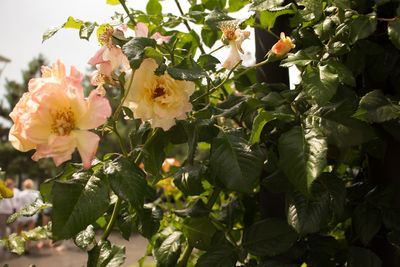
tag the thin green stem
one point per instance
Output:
(216, 49)
(187, 24)
(127, 11)
(251, 68)
(212, 90)
(118, 109)
(272, 33)
(121, 143)
(111, 223)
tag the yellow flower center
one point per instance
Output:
(63, 122)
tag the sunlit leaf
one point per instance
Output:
(77, 203)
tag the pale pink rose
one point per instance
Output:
(54, 117)
(234, 37)
(283, 46)
(158, 99)
(108, 59)
(141, 30)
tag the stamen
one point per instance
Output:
(63, 122)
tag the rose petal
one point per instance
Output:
(98, 110)
(141, 30)
(87, 143)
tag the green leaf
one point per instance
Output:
(345, 75)
(135, 50)
(215, 18)
(336, 123)
(127, 180)
(86, 30)
(45, 187)
(328, 184)
(394, 32)
(77, 203)
(126, 220)
(199, 232)
(235, 5)
(343, 4)
(16, 243)
(320, 83)
(269, 237)
(234, 163)
(198, 209)
(214, 4)
(153, 7)
(73, 23)
(362, 27)
(262, 118)
(302, 156)
(221, 254)
(36, 233)
(208, 62)
(269, 16)
(261, 5)
(188, 179)
(106, 255)
(50, 32)
(186, 70)
(148, 220)
(168, 252)
(210, 36)
(29, 210)
(325, 28)
(113, 2)
(303, 57)
(228, 212)
(312, 9)
(84, 238)
(304, 215)
(362, 257)
(378, 107)
(154, 154)
(367, 221)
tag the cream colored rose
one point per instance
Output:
(158, 99)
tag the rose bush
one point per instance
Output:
(270, 175)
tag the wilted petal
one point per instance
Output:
(233, 56)
(160, 38)
(98, 57)
(141, 30)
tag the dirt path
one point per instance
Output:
(67, 254)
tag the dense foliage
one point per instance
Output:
(327, 150)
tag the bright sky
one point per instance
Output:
(24, 22)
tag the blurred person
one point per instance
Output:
(7, 207)
(10, 184)
(26, 197)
